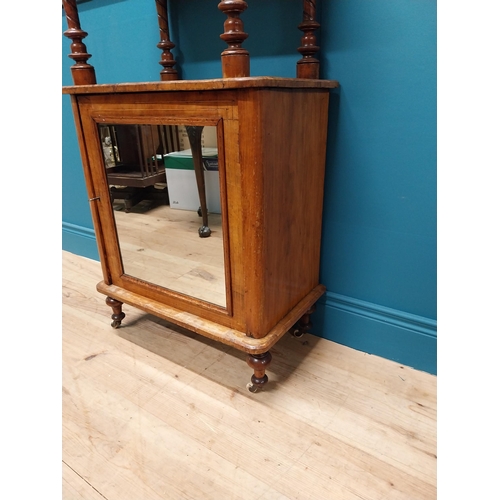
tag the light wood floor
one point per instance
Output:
(150, 413)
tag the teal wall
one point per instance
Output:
(379, 226)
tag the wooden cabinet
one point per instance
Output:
(248, 274)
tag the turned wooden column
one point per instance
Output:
(235, 59)
(308, 66)
(167, 59)
(82, 72)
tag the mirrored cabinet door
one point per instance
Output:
(164, 189)
(164, 171)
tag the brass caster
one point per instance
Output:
(297, 333)
(253, 388)
(116, 324)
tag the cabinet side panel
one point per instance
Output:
(293, 168)
(252, 213)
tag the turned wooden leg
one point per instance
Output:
(304, 324)
(117, 315)
(259, 363)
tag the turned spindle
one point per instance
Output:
(82, 72)
(167, 59)
(308, 66)
(235, 59)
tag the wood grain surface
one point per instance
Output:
(151, 411)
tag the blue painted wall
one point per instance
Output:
(379, 226)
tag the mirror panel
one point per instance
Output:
(168, 235)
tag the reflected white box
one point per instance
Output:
(181, 180)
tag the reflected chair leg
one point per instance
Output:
(194, 134)
(117, 315)
(259, 363)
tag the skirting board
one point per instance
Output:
(389, 333)
(79, 240)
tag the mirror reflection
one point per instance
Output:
(164, 186)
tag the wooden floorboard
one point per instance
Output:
(154, 412)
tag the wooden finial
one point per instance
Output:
(167, 59)
(235, 59)
(82, 72)
(308, 66)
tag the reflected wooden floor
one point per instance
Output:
(161, 245)
(151, 412)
